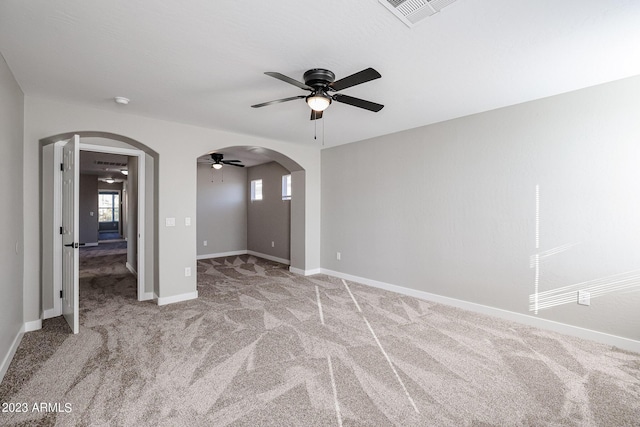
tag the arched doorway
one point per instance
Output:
(143, 247)
(225, 206)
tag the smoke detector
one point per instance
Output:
(413, 11)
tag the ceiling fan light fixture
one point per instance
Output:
(124, 172)
(318, 101)
(217, 166)
(109, 180)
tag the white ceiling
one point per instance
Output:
(202, 62)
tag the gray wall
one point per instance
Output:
(221, 210)
(88, 204)
(269, 220)
(450, 208)
(11, 211)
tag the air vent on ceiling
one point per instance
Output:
(103, 163)
(413, 11)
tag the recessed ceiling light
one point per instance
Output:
(121, 100)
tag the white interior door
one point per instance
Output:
(70, 233)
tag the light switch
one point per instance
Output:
(187, 221)
(170, 222)
(90, 213)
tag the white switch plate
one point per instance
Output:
(187, 221)
(187, 271)
(170, 222)
(273, 244)
(584, 298)
(205, 243)
(338, 256)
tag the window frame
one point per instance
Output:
(114, 208)
(256, 190)
(286, 187)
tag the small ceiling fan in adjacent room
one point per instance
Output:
(218, 161)
(322, 85)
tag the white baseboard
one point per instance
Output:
(50, 313)
(146, 296)
(269, 257)
(305, 272)
(131, 269)
(244, 252)
(33, 325)
(6, 361)
(177, 298)
(576, 331)
(222, 254)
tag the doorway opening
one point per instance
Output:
(232, 221)
(126, 213)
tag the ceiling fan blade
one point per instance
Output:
(277, 101)
(357, 102)
(316, 115)
(355, 79)
(233, 160)
(232, 164)
(288, 80)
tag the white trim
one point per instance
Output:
(33, 325)
(305, 272)
(12, 351)
(131, 269)
(244, 252)
(49, 314)
(222, 254)
(109, 149)
(140, 273)
(269, 257)
(576, 331)
(148, 296)
(177, 298)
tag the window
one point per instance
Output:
(108, 207)
(286, 187)
(256, 189)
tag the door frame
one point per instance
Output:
(57, 200)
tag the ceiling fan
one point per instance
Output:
(321, 83)
(218, 161)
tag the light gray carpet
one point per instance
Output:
(264, 347)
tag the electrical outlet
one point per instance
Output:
(170, 222)
(205, 243)
(338, 256)
(187, 271)
(584, 298)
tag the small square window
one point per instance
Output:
(256, 189)
(286, 187)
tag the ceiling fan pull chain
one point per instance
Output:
(323, 133)
(315, 126)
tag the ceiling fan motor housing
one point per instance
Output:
(318, 78)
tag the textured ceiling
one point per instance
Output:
(202, 62)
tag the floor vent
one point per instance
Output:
(413, 11)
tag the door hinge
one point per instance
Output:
(60, 294)
(62, 167)
(61, 230)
